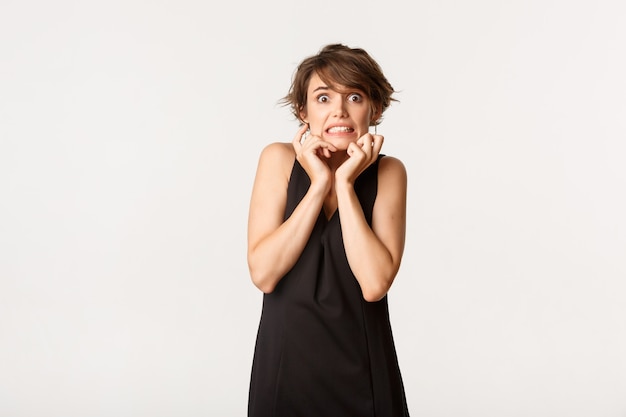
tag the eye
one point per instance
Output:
(355, 98)
(322, 98)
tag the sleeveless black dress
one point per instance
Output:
(321, 349)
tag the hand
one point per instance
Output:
(311, 154)
(361, 154)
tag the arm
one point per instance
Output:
(274, 244)
(374, 254)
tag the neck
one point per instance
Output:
(336, 159)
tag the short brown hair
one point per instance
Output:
(339, 64)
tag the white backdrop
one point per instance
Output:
(130, 132)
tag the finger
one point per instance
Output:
(367, 142)
(355, 150)
(350, 149)
(377, 144)
(327, 146)
(317, 145)
(312, 138)
(315, 141)
(367, 138)
(297, 140)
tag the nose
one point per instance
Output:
(339, 110)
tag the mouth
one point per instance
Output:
(339, 129)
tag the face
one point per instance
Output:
(339, 117)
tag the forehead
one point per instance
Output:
(316, 82)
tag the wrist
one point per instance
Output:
(319, 188)
(343, 184)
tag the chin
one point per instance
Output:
(341, 143)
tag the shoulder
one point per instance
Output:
(276, 160)
(278, 153)
(278, 150)
(391, 169)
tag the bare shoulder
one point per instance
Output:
(391, 169)
(277, 155)
(278, 151)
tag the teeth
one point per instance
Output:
(340, 129)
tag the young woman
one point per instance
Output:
(326, 233)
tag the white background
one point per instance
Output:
(130, 132)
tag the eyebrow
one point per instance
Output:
(326, 88)
(322, 87)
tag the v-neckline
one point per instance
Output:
(331, 217)
(329, 210)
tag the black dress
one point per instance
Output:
(321, 349)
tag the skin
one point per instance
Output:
(338, 149)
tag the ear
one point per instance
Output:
(378, 111)
(302, 115)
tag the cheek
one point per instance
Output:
(318, 114)
(366, 117)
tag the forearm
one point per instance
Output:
(275, 254)
(370, 261)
